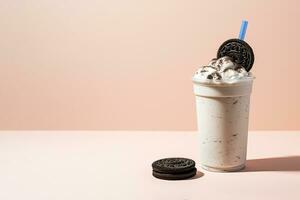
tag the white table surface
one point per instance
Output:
(41, 165)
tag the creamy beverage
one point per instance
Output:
(222, 92)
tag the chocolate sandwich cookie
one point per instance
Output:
(239, 50)
(180, 176)
(174, 168)
(173, 165)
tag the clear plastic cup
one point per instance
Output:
(222, 118)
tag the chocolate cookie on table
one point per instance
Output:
(174, 168)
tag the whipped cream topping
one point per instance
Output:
(222, 70)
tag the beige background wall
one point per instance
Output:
(127, 64)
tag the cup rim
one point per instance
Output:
(222, 83)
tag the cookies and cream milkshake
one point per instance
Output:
(222, 90)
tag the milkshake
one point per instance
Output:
(222, 89)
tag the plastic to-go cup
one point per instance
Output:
(222, 119)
